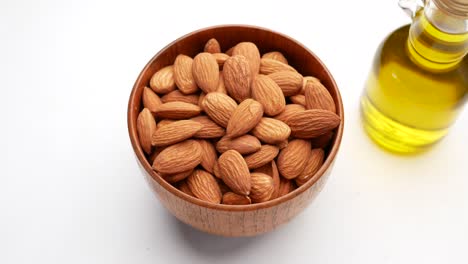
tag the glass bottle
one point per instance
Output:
(419, 78)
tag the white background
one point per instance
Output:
(70, 189)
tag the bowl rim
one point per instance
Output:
(131, 123)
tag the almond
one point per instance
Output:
(204, 186)
(269, 94)
(318, 97)
(289, 110)
(219, 107)
(162, 81)
(175, 132)
(183, 186)
(286, 186)
(216, 170)
(271, 131)
(220, 58)
(269, 66)
(245, 117)
(177, 96)
(164, 122)
(293, 158)
(250, 51)
(237, 77)
(312, 123)
(177, 110)
(235, 199)
(229, 51)
(173, 178)
(264, 155)
(212, 46)
(275, 55)
(177, 158)
(271, 170)
(289, 82)
(298, 99)
(146, 125)
(306, 79)
(234, 172)
(224, 188)
(221, 87)
(209, 155)
(150, 99)
(209, 130)
(262, 187)
(205, 71)
(282, 144)
(200, 100)
(245, 144)
(183, 76)
(322, 141)
(312, 166)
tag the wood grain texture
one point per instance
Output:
(231, 220)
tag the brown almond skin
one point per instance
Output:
(269, 94)
(209, 155)
(212, 46)
(234, 172)
(312, 166)
(220, 59)
(164, 122)
(175, 132)
(235, 199)
(275, 55)
(271, 170)
(307, 79)
(289, 82)
(271, 131)
(318, 97)
(173, 178)
(312, 123)
(177, 110)
(298, 99)
(264, 155)
(179, 157)
(288, 111)
(162, 81)
(237, 77)
(250, 51)
(245, 117)
(183, 76)
(219, 107)
(322, 141)
(221, 87)
(262, 187)
(204, 186)
(286, 186)
(150, 99)
(183, 186)
(245, 144)
(293, 158)
(205, 71)
(209, 128)
(146, 125)
(269, 66)
(178, 96)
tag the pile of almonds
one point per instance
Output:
(235, 128)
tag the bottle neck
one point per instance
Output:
(437, 41)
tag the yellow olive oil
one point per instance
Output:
(417, 85)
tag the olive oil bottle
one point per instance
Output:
(419, 79)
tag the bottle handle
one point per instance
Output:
(410, 7)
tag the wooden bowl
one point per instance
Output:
(231, 220)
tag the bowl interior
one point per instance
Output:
(306, 63)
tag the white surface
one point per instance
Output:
(71, 191)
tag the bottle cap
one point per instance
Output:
(458, 8)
